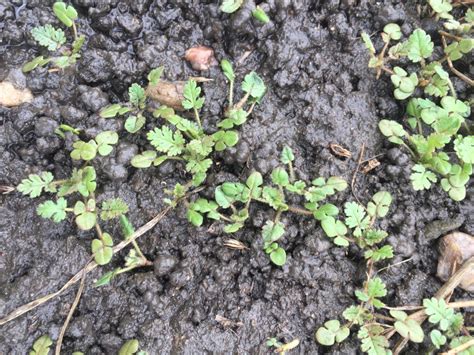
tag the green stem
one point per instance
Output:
(74, 30)
(231, 93)
(277, 216)
(198, 120)
(292, 172)
(225, 218)
(299, 210)
(451, 87)
(138, 250)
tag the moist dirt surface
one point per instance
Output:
(320, 91)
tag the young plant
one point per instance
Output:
(237, 197)
(41, 346)
(280, 347)
(131, 347)
(184, 140)
(135, 106)
(54, 39)
(86, 211)
(231, 6)
(435, 128)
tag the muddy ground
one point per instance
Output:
(320, 91)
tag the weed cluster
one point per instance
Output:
(433, 127)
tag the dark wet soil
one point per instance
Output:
(320, 92)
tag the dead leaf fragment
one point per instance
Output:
(370, 165)
(11, 97)
(455, 248)
(200, 57)
(227, 323)
(168, 93)
(339, 151)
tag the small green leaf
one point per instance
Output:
(102, 249)
(65, 14)
(82, 181)
(36, 62)
(278, 256)
(287, 155)
(325, 211)
(144, 160)
(194, 217)
(134, 123)
(129, 348)
(230, 6)
(105, 140)
(113, 208)
(164, 140)
(54, 210)
(106, 278)
(420, 46)
(271, 232)
(368, 43)
(437, 338)
(155, 75)
(259, 14)
(86, 216)
(386, 252)
(464, 147)
(254, 181)
(438, 312)
(380, 204)
(113, 110)
(191, 94)
(41, 346)
(49, 37)
(225, 139)
(85, 151)
(393, 130)
(234, 227)
(254, 86)
(421, 178)
(228, 71)
(280, 177)
(331, 333)
(35, 184)
(126, 226)
(137, 95)
(393, 31)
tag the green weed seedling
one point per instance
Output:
(237, 197)
(53, 39)
(86, 211)
(280, 347)
(135, 106)
(231, 6)
(181, 139)
(437, 127)
(41, 346)
(131, 347)
(375, 329)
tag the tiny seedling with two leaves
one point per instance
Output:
(54, 39)
(237, 197)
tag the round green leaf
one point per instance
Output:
(278, 257)
(134, 123)
(65, 14)
(325, 337)
(102, 253)
(144, 160)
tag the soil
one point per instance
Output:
(320, 91)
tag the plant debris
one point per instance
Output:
(339, 151)
(11, 96)
(455, 248)
(200, 57)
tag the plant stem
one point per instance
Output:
(292, 172)
(225, 218)
(198, 120)
(231, 93)
(277, 216)
(300, 210)
(99, 231)
(74, 30)
(460, 348)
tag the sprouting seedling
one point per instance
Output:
(54, 39)
(63, 128)
(131, 347)
(135, 106)
(280, 347)
(230, 6)
(192, 99)
(259, 14)
(237, 197)
(41, 346)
